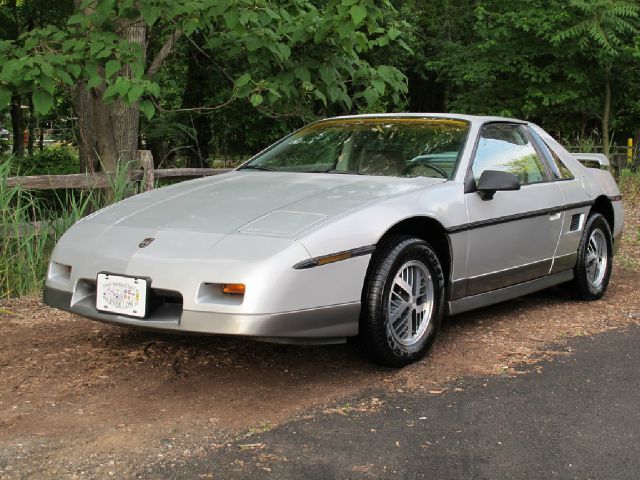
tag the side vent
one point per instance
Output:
(576, 222)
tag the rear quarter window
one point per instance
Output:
(559, 170)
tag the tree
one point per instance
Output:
(15, 18)
(553, 61)
(603, 34)
(296, 56)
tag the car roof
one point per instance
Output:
(477, 119)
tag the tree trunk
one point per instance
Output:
(198, 86)
(17, 125)
(31, 126)
(17, 119)
(200, 151)
(109, 133)
(583, 125)
(126, 118)
(605, 117)
(104, 132)
(41, 137)
(83, 106)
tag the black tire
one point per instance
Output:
(376, 340)
(581, 287)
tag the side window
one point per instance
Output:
(565, 173)
(559, 170)
(507, 148)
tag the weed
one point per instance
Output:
(30, 227)
(261, 428)
(629, 182)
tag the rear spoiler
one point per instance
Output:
(593, 160)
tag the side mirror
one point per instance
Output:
(492, 181)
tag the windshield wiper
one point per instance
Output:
(342, 172)
(259, 167)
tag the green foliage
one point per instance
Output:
(58, 160)
(543, 60)
(583, 143)
(603, 27)
(5, 98)
(120, 186)
(243, 72)
(296, 54)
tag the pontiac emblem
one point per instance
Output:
(146, 242)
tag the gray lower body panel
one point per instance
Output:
(564, 262)
(507, 293)
(497, 280)
(322, 325)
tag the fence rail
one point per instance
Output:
(102, 180)
(621, 157)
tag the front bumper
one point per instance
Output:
(318, 325)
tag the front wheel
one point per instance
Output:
(595, 259)
(403, 302)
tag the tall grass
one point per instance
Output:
(629, 182)
(587, 143)
(30, 228)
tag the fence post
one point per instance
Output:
(146, 162)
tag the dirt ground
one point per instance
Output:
(80, 399)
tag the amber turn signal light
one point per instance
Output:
(334, 258)
(233, 288)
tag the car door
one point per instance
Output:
(513, 236)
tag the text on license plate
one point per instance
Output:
(123, 295)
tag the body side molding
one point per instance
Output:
(520, 216)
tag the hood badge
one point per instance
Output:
(146, 242)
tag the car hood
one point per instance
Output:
(280, 204)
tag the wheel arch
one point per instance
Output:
(603, 206)
(430, 230)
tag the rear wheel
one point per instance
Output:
(594, 262)
(403, 302)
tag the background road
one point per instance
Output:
(577, 416)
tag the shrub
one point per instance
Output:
(56, 160)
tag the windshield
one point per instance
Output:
(398, 147)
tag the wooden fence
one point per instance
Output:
(147, 176)
(620, 156)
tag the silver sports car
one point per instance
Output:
(368, 227)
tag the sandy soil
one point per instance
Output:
(87, 400)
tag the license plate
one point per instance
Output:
(122, 295)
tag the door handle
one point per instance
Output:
(555, 216)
